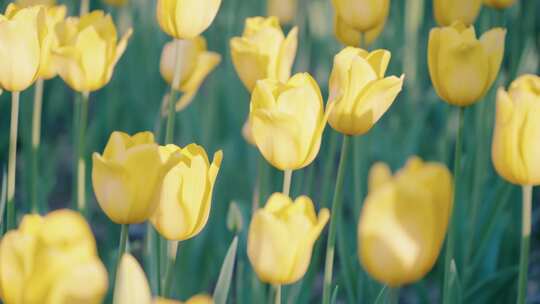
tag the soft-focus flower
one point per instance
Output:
(281, 238)
(516, 139)
(195, 63)
(127, 176)
(448, 11)
(51, 260)
(88, 50)
(288, 120)
(359, 22)
(463, 68)
(116, 2)
(247, 134)
(23, 43)
(131, 286)
(27, 3)
(263, 51)
(404, 220)
(359, 90)
(284, 10)
(185, 195)
(499, 4)
(185, 19)
(196, 299)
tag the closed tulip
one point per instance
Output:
(23, 42)
(516, 144)
(131, 286)
(51, 260)
(288, 120)
(359, 89)
(499, 4)
(448, 11)
(284, 10)
(127, 175)
(195, 62)
(186, 19)
(359, 22)
(462, 68)
(404, 221)
(281, 238)
(185, 195)
(88, 50)
(263, 51)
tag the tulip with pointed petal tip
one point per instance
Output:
(131, 286)
(186, 19)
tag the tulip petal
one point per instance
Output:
(131, 285)
(287, 53)
(345, 33)
(379, 174)
(493, 42)
(192, 17)
(249, 64)
(93, 58)
(379, 60)
(434, 42)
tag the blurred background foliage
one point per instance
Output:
(418, 123)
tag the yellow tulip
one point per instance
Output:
(263, 51)
(359, 90)
(27, 3)
(88, 50)
(131, 286)
(51, 260)
(185, 196)
(448, 11)
(281, 238)
(186, 19)
(499, 4)
(127, 176)
(195, 63)
(197, 299)
(288, 120)
(463, 68)
(404, 220)
(116, 2)
(516, 144)
(284, 10)
(23, 42)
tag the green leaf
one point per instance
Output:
(225, 275)
(3, 196)
(382, 295)
(334, 295)
(454, 284)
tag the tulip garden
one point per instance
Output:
(269, 151)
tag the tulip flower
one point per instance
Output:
(51, 259)
(499, 4)
(263, 51)
(284, 10)
(281, 238)
(27, 3)
(516, 145)
(404, 220)
(288, 120)
(359, 90)
(196, 62)
(448, 11)
(185, 195)
(88, 50)
(462, 68)
(131, 285)
(127, 175)
(186, 19)
(197, 299)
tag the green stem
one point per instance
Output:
(336, 209)
(449, 254)
(36, 134)
(328, 168)
(277, 297)
(169, 272)
(171, 114)
(124, 239)
(12, 160)
(393, 295)
(81, 164)
(287, 177)
(525, 243)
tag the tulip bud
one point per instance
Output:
(284, 10)
(185, 195)
(128, 174)
(463, 68)
(235, 220)
(516, 144)
(88, 50)
(499, 4)
(186, 19)
(281, 238)
(263, 52)
(195, 64)
(448, 11)
(288, 120)
(23, 42)
(131, 286)
(51, 259)
(359, 90)
(404, 220)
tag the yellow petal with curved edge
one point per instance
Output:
(448, 11)
(379, 174)
(287, 53)
(192, 17)
(206, 62)
(250, 65)
(493, 43)
(93, 61)
(131, 286)
(379, 60)
(434, 42)
(362, 15)
(345, 33)
(200, 299)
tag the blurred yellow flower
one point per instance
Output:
(288, 120)
(185, 196)
(197, 299)
(247, 134)
(263, 51)
(116, 2)
(284, 10)
(131, 286)
(463, 68)
(185, 19)
(51, 260)
(499, 4)
(127, 176)
(23, 45)
(404, 220)
(88, 50)
(27, 3)
(448, 11)
(359, 22)
(359, 90)
(196, 62)
(281, 238)
(516, 139)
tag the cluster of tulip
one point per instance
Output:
(405, 218)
